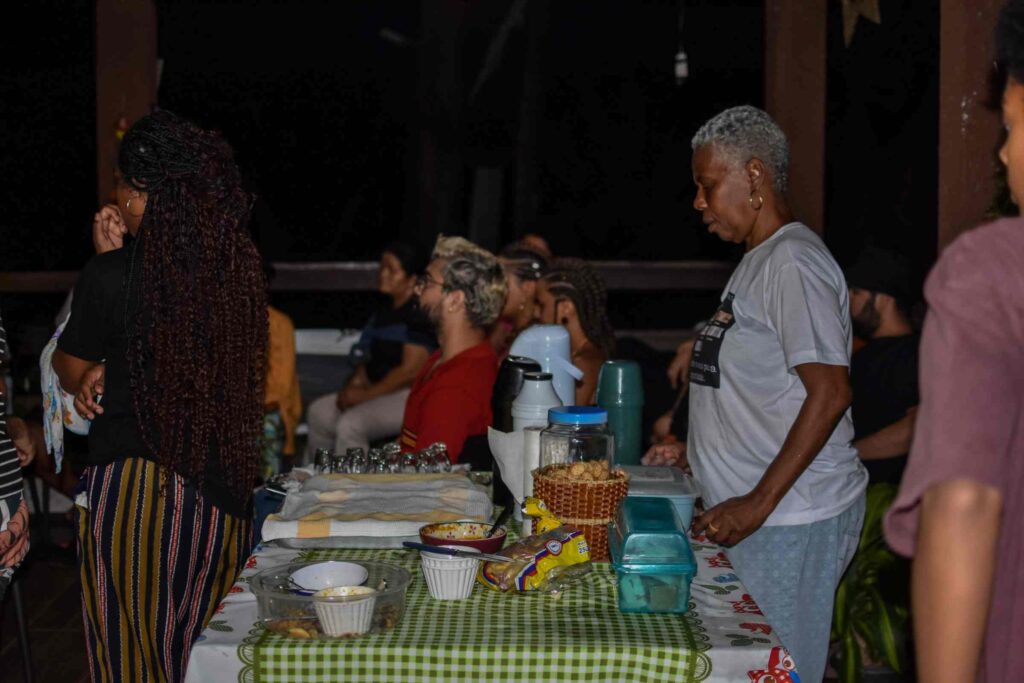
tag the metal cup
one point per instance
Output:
(338, 463)
(322, 460)
(394, 461)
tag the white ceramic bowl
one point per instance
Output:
(345, 610)
(449, 577)
(316, 577)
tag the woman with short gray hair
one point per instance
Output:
(770, 428)
(462, 292)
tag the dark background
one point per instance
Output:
(328, 117)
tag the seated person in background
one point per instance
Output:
(462, 293)
(883, 373)
(523, 268)
(671, 427)
(393, 347)
(573, 295)
(536, 243)
(17, 448)
(282, 402)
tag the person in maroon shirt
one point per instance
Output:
(462, 293)
(960, 509)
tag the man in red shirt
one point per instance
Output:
(462, 293)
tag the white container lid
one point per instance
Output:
(667, 482)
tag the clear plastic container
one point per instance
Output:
(291, 612)
(652, 557)
(576, 434)
(665, 482)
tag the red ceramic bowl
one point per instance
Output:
(469, 534)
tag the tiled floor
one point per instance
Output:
(51, 596)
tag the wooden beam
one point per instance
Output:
(37, 282)
(126, 77)
(361, 276)
(794, 94)
(969, 133)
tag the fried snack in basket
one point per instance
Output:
(591, 470)
(584, 495)
(545, 561)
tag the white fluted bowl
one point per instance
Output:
(345, 610)
(449, 577)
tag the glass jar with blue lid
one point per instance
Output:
(576, 434)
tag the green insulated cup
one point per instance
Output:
(620, 391)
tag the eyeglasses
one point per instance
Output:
(423, 281)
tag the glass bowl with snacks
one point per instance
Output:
(288, 610)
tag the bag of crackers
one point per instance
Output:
(545, 561)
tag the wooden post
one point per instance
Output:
(794, 94)
(126, 76)
(485, 206)
(530, 114)
(441, 181)
(969, 134)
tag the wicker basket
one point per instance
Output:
(587, 505)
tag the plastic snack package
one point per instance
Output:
(545, 561)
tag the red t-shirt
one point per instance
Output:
(970, 423)
(453, 402)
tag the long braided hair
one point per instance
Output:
(574, 279)
(197, 303)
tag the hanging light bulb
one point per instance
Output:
(682, 66)
(682, 69)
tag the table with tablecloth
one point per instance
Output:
(492, 636)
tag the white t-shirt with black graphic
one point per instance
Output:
(786, 304)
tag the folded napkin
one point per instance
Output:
(518, 455)
(375, 505)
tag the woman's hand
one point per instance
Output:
(21, 435)
(679, 368)
(90, 391)
(108, 229)
(732, 520)
(672, 454)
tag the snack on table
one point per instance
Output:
(545, 520)
(543, 561)
(584, 495)
(592, 470)
(307, 627)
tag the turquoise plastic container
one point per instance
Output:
(652, 557)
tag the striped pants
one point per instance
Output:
(154, 565)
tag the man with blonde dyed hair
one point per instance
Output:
(449, 246)
(462, 292)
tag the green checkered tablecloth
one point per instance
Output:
(496, 636)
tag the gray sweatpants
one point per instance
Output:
(375, 419)
(792, 573)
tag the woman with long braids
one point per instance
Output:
(572, 294)
(165, 351)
